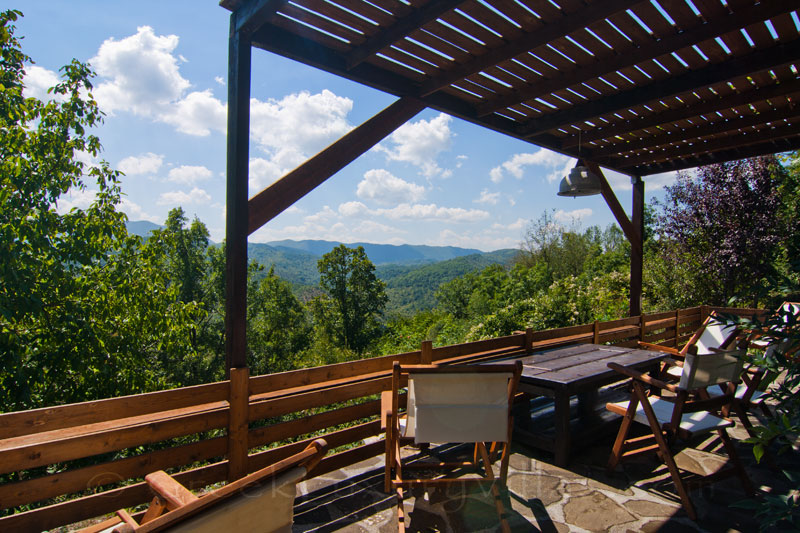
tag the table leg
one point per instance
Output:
(562, 437)
(587, 400)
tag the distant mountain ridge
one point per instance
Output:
(380, 254)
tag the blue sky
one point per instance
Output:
(162, 68)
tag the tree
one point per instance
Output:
(278, 329)
(724, 226)
(357, 295)
(84, 311)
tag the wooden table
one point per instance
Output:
(575, 370)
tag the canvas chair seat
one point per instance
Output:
(696, 423)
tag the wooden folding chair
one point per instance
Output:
(449, 404)
(260, 502)
(681, 418)
(711, 335)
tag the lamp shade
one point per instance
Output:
(580, 182)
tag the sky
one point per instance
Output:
(162, 82)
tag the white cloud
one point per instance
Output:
(299, 125)
(432, 212)
(175, 198)
(220, 80)
(75, 198)
(384, 188)
(37, 80)
(142, 72)
(142, 77)
(517, 225)
(576, 215)
(557, 165)
(189, 175)
(419, 143)
(148, 163)
(197, 114)
(291, 130)
(353, 209)
(487, 197)
(136, 212)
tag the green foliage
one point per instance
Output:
(84, 311)
(357, 297)
(278, 328)
(782, 329)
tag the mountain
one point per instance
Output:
(380, 254)
(411, 278)
(412, 288)
(142, 228)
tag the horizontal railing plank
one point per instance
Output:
(321, 374)
(298, 402)
(67, 444)
(91, 477)
(51, 418)
(487, 345)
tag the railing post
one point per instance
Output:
(642, 322)
(426, 357)
(239, 401)
(596, 337)
(528, 340)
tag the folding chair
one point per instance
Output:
(449, 404)
(712, 334)
(260, 502)
(682, 418)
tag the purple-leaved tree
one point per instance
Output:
(724, 223)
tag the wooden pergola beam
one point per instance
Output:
(688, 37)
(772, 146)
(729, 101)
(575, 21)
(614, 151)
(408, 24)
(757, 61)
(252, 15)
(717, 144)
(273, 200)
(616, 209)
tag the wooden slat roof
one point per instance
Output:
(640, 87)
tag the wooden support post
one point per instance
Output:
(704, 312)
(677, 323)
(596, 336)
(637, 251)
(239, 52)
(528, 340)
(239, 401)
(426, 357)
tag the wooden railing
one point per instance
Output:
(80, 461)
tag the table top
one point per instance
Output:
(574, 365)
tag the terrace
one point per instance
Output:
(637, 87)
(206, 434)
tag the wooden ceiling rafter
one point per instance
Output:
(633, 77)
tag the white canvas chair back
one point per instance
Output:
(458, 407)
(714, 335)
(707, 369)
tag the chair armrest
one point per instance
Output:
(386, 408)
(635, 374)
(669, 361)
(173, 492)
(658, 348)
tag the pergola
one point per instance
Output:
(640, 87)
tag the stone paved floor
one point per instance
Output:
(639, 496)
